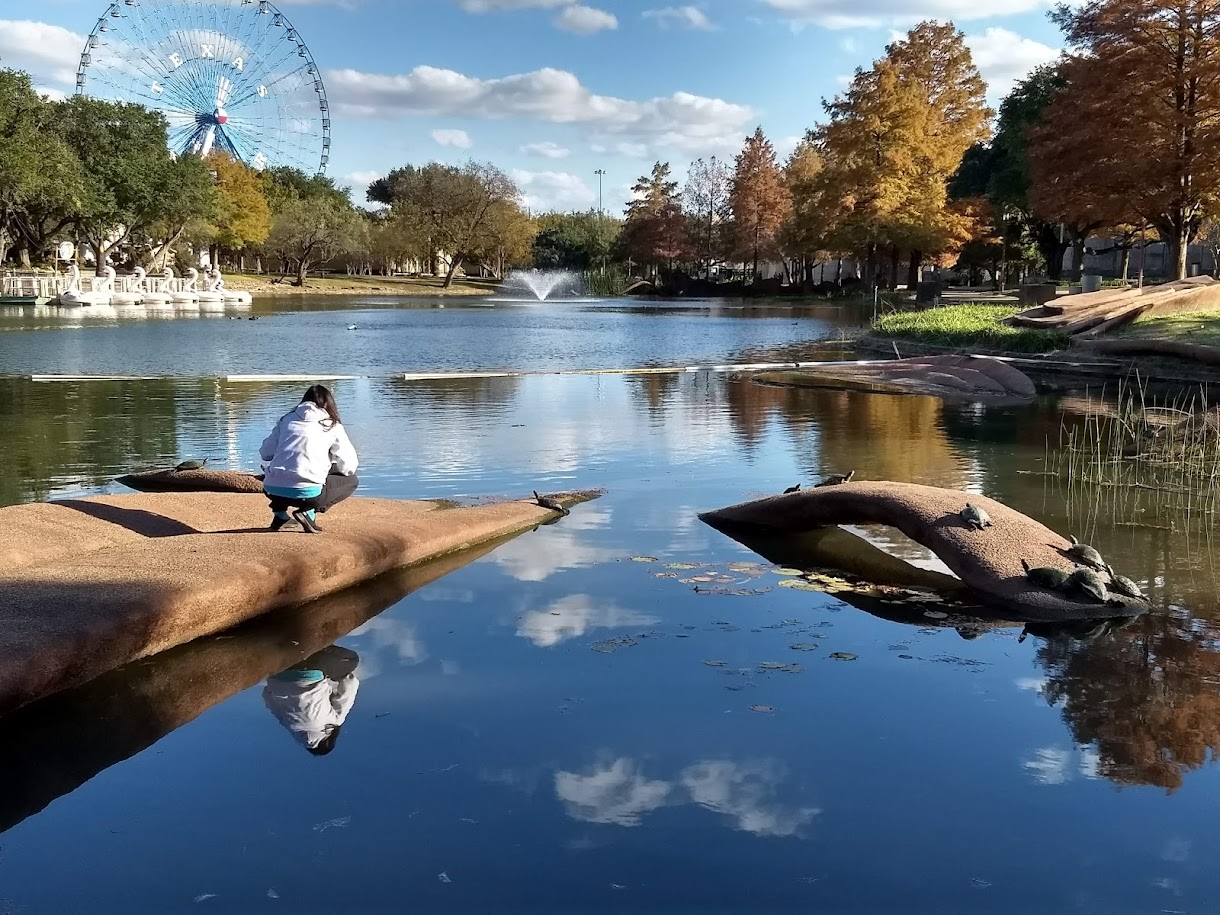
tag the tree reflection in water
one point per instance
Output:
(1144, 696)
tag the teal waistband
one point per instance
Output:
(293, 492)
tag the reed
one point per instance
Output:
(1141, 458)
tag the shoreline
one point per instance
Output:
(266, 286)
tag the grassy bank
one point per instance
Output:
(967, 326)
(265, 285)
(1202, 327)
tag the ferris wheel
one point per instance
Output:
(230, 75)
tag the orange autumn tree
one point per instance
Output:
(893, 141)
(1147, 75)
(758, 199)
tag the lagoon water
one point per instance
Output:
(539, 730)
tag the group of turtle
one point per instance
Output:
(1085, 580)
(835, 479)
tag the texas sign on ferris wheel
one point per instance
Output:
(231, 75)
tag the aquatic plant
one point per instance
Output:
(1141, 457)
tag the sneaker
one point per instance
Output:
(307, 521)
(278, 522)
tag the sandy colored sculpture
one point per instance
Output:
(93, 584)
(1092, 314)
(989, 560)
(58, 744)
(203, 480)
(954, 377)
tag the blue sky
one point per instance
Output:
(552, 90)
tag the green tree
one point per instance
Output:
(574, 241)
(192, 206)
(38, 172)
(309, 232)
(128, 171)
(455, 205)
(654, 232)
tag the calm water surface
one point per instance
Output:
(538, 730)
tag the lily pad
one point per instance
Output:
(716, 663)
(682, 566)
(697, 580)
(787, 573)
(772, 665)
(804, 646)
(606, 646)
(745, 567)
(935, 615)
(844, 656)
(643, 559)
(762, 709)
(664, 575)
(799, 584)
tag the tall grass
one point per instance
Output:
(1144, 461)
(972, 325)
(605, 284)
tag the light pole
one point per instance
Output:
(601, 213)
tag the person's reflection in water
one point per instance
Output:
(312, 699)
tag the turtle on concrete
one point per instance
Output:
(975, 517)
(1053, 579)
(1087, 582)
(1124, 586)
(837, 479)
(791, 489)
(550, 504)
(191, 465)
(1085, 555)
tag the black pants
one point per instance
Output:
(336, 488)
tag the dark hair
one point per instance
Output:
(327, 743)
(321, 396)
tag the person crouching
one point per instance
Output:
(310, 462)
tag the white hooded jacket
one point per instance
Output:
(304, 447)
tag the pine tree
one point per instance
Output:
(655, 230)
(758, 199)
(1148, 71)
(705, 200)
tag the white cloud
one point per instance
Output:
(846, 14)
(553, 190)
(361, 180)
(1050, 765)
(49, 53)
(614, 793)
(745, 793)
(1004, 57)
(487, 6)
(684, 17)
(399, 637)
(546, 150)
(683, 121)
(585, 20)
(573, 616)
(458, 139)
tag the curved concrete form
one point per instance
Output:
(988, 561)
(971, 378)
(103, 582)
(192, 481)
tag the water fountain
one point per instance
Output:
(540, 285)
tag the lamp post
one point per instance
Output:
(601, 213)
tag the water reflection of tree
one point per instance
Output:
(463, 392)
(654, 389)
(58, 432)
(1145, 697)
